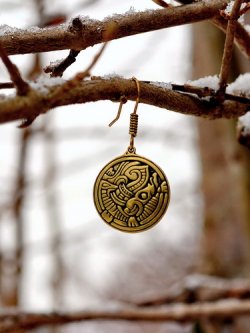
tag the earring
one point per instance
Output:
(131, 193)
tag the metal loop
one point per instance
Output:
(131, 150)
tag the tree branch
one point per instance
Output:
(38, 102)
(9, 321)
(91, 32)
(7, 85)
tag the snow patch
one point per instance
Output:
(116, 16)
(34, 29)
(43, 83)
(111, 76)
(164, 85)
(211, 82)
(7, 30)
(247, 27)
(55, 63)
(244, 124)
(241, 19)
(241, 86)
(229, 7)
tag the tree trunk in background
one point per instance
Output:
(224, 173)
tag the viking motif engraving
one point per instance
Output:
(131, 193)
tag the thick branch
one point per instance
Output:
(112, 89)
(29, 107)
(90, 32)
(178, 312)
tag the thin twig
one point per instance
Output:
(21, 86)
(241, 38)
(82, 75)
(228, 47)
(202, 92)
(74, 82)
(245, 9)
(59, 68)
(162, 3)
(7, 85)
(86, 73)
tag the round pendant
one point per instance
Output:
(131, 193)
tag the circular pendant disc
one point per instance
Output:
(131, 193)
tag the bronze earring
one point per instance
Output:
(131, 193)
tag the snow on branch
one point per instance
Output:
(45, 97)
(83, 32)
(243, 130)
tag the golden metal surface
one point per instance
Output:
(131, 193)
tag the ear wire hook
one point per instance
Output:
(123, 100)
(138, 93)
(133, 116)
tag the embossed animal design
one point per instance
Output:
(132, 193)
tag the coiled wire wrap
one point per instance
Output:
(134, 119)
(133, 124)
